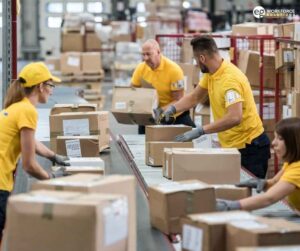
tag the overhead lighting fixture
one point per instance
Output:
(186, 4)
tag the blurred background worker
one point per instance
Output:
(236, 119)
(286, 183)
(165, 76)
(18, 122)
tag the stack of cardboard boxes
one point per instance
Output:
(78, 134)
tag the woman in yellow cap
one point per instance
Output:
(18, 122)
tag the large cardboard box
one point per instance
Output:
(207, 232)
(187, 51)
(92, 42)
(249, 62)
(91, 183)
(165, 132)
(171, 201)
(53, 63)
(291, 30)
(70, 63)
(134, 105)
(295, 104)
(155, 151)
(60, 221)
(261, 232)
(249, 29)
(91, 62)
(191, 76)
(231, 192)
(80, 124)
(60, 108)
(72, 41)
(203, 164)
(297, 70)
(78, 146)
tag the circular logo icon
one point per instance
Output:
(259, 12)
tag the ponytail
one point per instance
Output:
(16, 92)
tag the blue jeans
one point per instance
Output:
(255, 156)
(3, 203)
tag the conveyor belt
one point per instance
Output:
(135, 147)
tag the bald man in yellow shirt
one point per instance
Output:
(165, 76)
(236, 119)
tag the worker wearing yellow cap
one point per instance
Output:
(165, 76)
(18, 122)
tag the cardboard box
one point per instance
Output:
(203, 164)
(86, 161)
(91, 183)
(71, 170)
(70, 63)
(297, 70)
(80, 124)
(273, 248)
(231, 192)
(202, 115)
(167, 163)
(73, 41)
(295, 104)
(53, 63)
(191, 76)
(248, 63)
(134, 105)
(91, 62)
(291, 30)
(92, 42)
(261, 232)
(249, 29)
(155, 151)
(60, 108)
(288, 78)
(284, 57)
(187, 54)
(78, 146)
(171, 201)
(207, 232)
(165, 132)
(60, 221)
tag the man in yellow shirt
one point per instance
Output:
(165, 76)
(236, 119)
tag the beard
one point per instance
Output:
(203, 68)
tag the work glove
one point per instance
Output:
(190, 135)
(228, 205)
(157, 114)
(168, 116)
(57, 172)
(258, 184)
(59, 160)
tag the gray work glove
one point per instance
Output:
(59, 160)
(228, 205)
(190, 135)
(58, 172)
(258, 184)
(157, 114)
(168, 115)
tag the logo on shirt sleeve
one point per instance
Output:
(178, 85)
(232, 96)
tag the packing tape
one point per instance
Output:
(48, 211)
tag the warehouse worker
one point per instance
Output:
(236, 119)
(18, 122)
(165, 76)
(286, 183)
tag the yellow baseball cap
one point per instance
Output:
(36, 73)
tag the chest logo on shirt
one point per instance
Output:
(178, 85)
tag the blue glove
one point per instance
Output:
(167, 116)
(228, 205)
(258, 184)
(190, 135)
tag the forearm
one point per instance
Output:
(258, 201)
(42, 150)
(187, 102)
(220, 125)
(36, 171)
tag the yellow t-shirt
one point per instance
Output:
(12, 120)
(227, 86)
(166, 78)
(291, 175)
